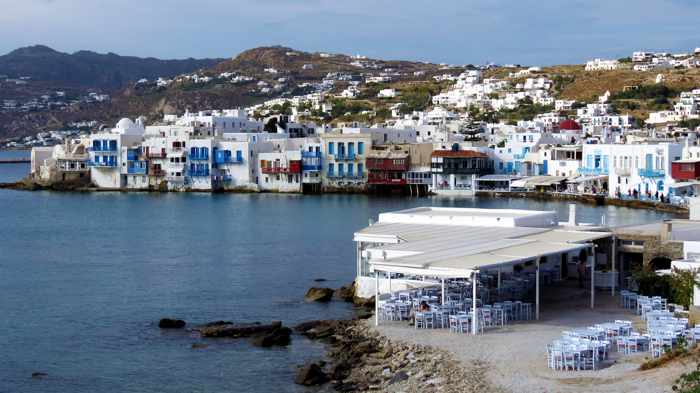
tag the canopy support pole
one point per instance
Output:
(474, 316)
(443, 291)
(498, 284)
(613, 258)
(591, 260)
(537, 291)
(389, 275)
(376, 298)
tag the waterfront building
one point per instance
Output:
(455, 171)
(639, 170)
(68, 162)
(108, 153)
(280, 171)
(344, 159)
(386, 169)
(311, 166)
(564, 160)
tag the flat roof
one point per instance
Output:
(467, 212)
(681, 230)
(450, 251)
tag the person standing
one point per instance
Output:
(581, 272)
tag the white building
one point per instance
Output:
(644, 168)
(108, 153)
(602, 65)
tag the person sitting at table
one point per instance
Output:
(422, 307)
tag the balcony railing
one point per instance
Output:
(310, 154)
(101, 164)
(199, 157)
(134, 170)
(623, 171)
(103, 149)
(228, 160)
(593, 171)
(276, 169)
(344, 156)
(652, 173)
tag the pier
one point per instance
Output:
(15, 161)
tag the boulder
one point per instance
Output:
(279, 337)
(316, 294)
(39, 375)
(168, 323)
(363, 302)
(199, 345)
(238, 330)
(310, 375)
(317, 329)
(345, 293)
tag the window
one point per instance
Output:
(350, 169)
(331, 169)
(239, 155)
(359, 169)
(341, 169)
(330, 148)
(360, 148)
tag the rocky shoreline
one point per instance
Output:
(360, 359)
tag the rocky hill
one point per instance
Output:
(90, 69)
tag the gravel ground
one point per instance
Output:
(515, 356)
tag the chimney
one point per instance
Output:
(572, 215)
(666, 229)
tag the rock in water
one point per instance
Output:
(167, 323)
(310, 375)
(318, 294)
(279, 337)
(238, 330)
(346, 293)
(39, 375)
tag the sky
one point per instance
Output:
(528, 32)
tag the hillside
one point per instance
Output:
(264, 73)
(90, 69)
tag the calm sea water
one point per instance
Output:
(85, 277)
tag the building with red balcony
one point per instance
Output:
(386, 170)
(686, 169)
(280, 171)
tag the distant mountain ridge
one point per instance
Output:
(90, 69)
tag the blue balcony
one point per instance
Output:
(593, 171)
(104, 146)
(136, 170)
(199, 173)
(228, 160)
(103, 164)
(311, 161)
(344, 156)
(652, 173)
(199, 157)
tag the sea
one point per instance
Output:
(85, 277)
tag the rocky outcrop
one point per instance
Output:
(316, 294)
(168, 323)
(232, 330)
(39, 375)
(278, 337)
(361, 360)
(363, 302)
(345, 293)
(311, 374)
